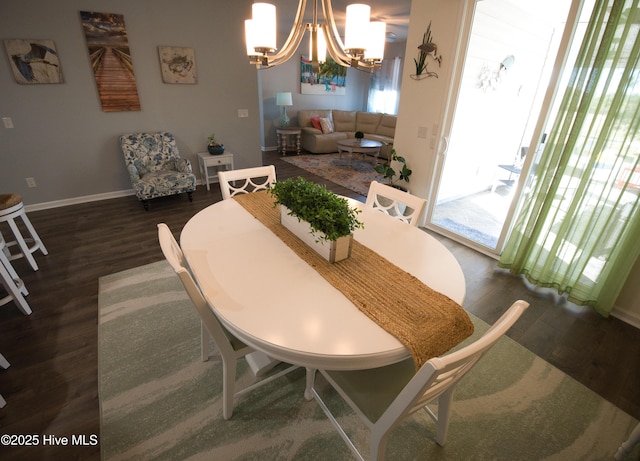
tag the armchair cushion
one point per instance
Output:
(155, 166)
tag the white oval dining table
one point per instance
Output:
(274, 301)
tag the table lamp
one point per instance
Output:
(284, 99)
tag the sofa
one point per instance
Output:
(322, 129)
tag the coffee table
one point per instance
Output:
(359, 146)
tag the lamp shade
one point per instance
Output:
(284, 99)
(357, 26)
(263, 25)
(249, 36)
(376, 38)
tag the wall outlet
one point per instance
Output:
(422, 132)
(8, 123)
(31, 182)
(243, 113)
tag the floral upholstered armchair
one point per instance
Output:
(155, 166)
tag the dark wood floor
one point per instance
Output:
(52, 384)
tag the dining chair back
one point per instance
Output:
(395, 202)
(231, 348)
(384, 396)
(246, 180)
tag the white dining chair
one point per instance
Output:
(231, 348)
(384, 396)
(14, 286)
(396, 203)
(246, 180)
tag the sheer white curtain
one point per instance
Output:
(384, 90)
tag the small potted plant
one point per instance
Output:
(317, 216)
(214, 147)
(389, 172)
(359, 135)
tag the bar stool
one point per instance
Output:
(15, 287)
(4, 364)
(11, 207)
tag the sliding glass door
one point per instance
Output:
(501, 86)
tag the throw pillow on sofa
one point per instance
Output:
(315, 121)
(327, 125)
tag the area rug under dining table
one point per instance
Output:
(158, 400)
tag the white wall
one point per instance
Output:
(64, 140)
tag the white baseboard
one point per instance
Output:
(85, 199)
(77, 200)
(632, 318)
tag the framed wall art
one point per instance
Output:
(111, 61)
(331, 79)
(178, 64)
(34, 61)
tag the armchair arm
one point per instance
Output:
(183, 165)
(133, 173)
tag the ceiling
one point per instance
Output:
(394, 12)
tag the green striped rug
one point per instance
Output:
(158, 400)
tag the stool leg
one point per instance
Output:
(34, 234)
(4, 364)
(14, 291)
(13, 274)
(24, 248)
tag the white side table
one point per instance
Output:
(206, 161)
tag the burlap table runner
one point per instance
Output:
(427, 322)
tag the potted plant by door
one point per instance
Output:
(214, 147)
(317, 216)
(387, 170)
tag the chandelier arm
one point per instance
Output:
(332, 36)
(294, 39)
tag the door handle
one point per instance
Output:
(445, 141)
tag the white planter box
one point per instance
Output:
(332, 251)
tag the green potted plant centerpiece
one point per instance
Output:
(389, 172)
(320, 218)
(359, 135)
(214, 147)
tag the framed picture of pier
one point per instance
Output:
(111, 61)
(34, 61)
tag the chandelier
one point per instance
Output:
(362, 49)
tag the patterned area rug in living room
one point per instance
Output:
(353, 173)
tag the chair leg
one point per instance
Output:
(228, 386)
(145, 204)
(378, 444)
(190, 195)
(205, 347)
(444, 412)
(629, 444)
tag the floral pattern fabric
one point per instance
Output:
(155, 166)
